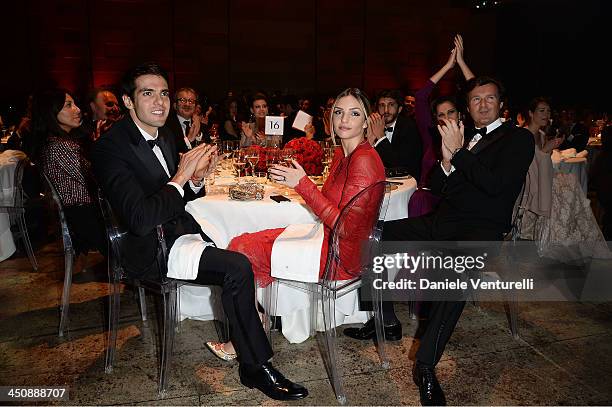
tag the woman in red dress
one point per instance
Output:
(355, 166)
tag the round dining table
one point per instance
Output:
(222, 219)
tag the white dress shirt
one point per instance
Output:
(182, 121)
(388, 134)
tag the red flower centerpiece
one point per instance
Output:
(308, 153)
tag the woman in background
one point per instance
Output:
(60, 151)
(427, 116)
(555, 211)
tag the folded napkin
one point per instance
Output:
(570, 152)
(296, 253)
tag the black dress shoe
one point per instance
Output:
(429, 388)
(272, 383)
(368, 331)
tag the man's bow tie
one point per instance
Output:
(153, 143)
(482, 131)
(389, 129)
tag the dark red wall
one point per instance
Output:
(303, 46)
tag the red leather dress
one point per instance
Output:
(348, 176)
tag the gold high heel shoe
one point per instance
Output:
(217, 349)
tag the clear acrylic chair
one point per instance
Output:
(372, 203)
(509, 255)
(167, 288)
(16, 211)
(69, 256)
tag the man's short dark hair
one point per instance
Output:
(128, 82)
(393, 94)
(481, 81)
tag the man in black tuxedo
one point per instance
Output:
(479, 181)
(137, 166)
(184, 123)
(395, 136)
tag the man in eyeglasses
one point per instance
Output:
(186, 126)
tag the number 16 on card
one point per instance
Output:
(274, 125)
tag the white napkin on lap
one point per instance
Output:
(296, 253)
(184, 257)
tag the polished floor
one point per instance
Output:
(564, 355)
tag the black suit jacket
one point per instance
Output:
(174, 127)
(577, 136)
(478, 197)
(406, 149)
(136, 185)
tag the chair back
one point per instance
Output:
(116, 234)
(357, 232)
(62, 216)
(16, 201)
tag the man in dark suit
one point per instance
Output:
(184, 123)
(575, 132)
(137, 166)
(479, 181)
(395, 136)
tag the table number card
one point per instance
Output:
(274, 125)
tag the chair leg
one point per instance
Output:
(169, 321)
(511, 307)
(65, 307)
(177, 311)
(142, 299)
(26, 241)
(379, 326)
(113, 323)
(412, 309)
(314, 309)
(269, 299)
(328, 300)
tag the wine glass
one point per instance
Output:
(288, 156)
(239, 162)
(213, 133)
(253, 158)
(272, 158)
(328, 155)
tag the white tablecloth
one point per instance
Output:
(8, 162)
(223, 219)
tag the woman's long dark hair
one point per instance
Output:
(45, 107)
